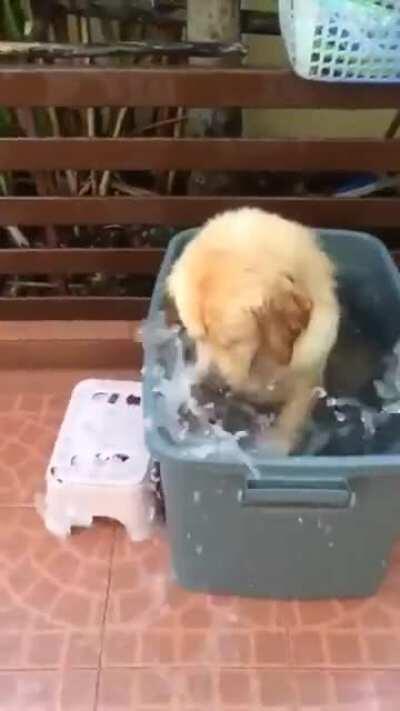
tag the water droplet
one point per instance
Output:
(300, 520)
(152, 513)
(320, 393)
(148, 423)
(199, 550)
(196, 497)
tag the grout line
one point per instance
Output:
(242, 667)
(60, 669)
(17, 506)
(290, 669)
(104, 618)
(291, 657)
(194, 665)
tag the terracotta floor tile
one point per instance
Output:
(196, 647)
(52, 593)
(271, 648)
(193, 689)
(134, 688)
(162, 647)
(362, 633)
(197, 628)
(28, 430)
(379, 611)
(307, 648)
(160, 624)
(227, 689)
(73, 690)
(383, 648)
(356, 648)
(235, 688)
(234, 649)
(347, 691)
(275, 690)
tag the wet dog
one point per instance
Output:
(257, 295)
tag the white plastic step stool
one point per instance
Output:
(99, 465)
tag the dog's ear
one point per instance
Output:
(283, 318)
(189, 313)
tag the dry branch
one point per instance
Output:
(52, 51)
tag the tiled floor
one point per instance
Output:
(97, 622)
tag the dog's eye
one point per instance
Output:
(289, 278)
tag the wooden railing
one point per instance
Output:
(247, 88)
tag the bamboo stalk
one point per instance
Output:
(17, 236)
(159, 124)
(146, 11)
(256, 22)
(177, 132)
(84, 30)
(104, 182)
(14, 232)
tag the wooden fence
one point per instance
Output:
(186, 87)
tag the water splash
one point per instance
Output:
(218, 426)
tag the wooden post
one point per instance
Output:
(217, 20)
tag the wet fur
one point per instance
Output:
(257, 295)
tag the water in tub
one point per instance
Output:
(357, 412)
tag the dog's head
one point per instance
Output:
(238, 316)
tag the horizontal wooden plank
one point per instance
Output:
(80, 261)
(198, 154)
(59, 308)
(22, 86)
(73, 354)
(185, 211)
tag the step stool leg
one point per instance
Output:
(60, 511)
(138, 517)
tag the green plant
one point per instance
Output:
(48, 21)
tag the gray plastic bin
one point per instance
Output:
(311, 527)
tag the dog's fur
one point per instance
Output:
(257, 295)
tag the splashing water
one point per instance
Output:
(216, 424)
(195, 426)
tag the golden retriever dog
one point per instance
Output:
(257, 295)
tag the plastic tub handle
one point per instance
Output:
(301, 492)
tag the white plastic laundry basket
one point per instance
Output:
(343, 40)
